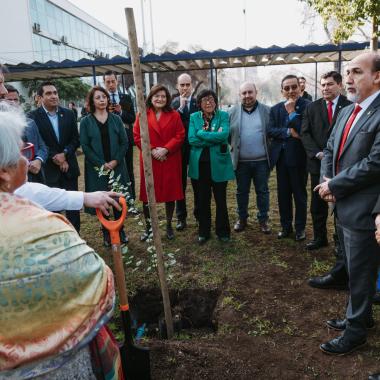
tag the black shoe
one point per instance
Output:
(341, 346)
(240, 225)
(123, 237)
(284, 234)
(169, 232)
(224, 239)
(316, 244)
(265, 228)
(202, 240)
(340, 324)
(181, 225)
(374, 376)
(326, 282)
(300, 235)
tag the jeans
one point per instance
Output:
(258, 172)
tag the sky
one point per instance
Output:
(210, 24)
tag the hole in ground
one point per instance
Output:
(191, 309)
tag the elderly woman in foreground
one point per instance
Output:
(56, 293)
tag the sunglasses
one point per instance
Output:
(293, 87)
(28, 151)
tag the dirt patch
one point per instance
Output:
(267, 323)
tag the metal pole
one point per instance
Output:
(147, 81)
(94, 75)
(216, 83)
(152, 38)
(123, 83)
(147, 162)
(316, 81)
(340, 60)
(212, 74)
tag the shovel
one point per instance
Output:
(135, 360)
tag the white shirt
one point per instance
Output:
(364, 105)
(51, 198)
(334, 102)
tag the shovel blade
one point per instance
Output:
(136, 362)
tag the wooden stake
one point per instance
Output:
(147, 160)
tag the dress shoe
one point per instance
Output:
(264, 227)
(202, 240)
(327, 282)
(300, 235)
(340, 324)
(316, 244)
(240, 225)
(374, 376)
(123, 237)
(169, 232)
(284, 234)
(181, 225)
(341, 346)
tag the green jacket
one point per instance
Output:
(216, 140)
(91, 142)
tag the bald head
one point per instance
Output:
(184, 85)
(248, 95)
(363, 76)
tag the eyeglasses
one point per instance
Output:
(28, 151)
(293, 87)
(209, 99)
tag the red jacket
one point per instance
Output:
(167, 132)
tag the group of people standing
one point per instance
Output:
(335, 139)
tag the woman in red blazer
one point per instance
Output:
(166, 133)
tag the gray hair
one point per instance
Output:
(12, 125)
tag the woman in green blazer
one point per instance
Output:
(104, 142)
(210, 165)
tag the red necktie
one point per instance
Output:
(346, 130)
(330, 111)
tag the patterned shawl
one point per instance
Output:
(55, 291)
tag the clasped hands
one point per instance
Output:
(324, 190)
(60, 160)
(159, 153)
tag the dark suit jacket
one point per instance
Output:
(316, 129)
(356, 186)
(185, 117)
(278, 131)
(69, 141)
(128, 115)
(307, 96)
(376, 209)
(32, 135)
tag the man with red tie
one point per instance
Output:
(317, 124)
(351, 171)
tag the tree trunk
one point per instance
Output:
(374, 36)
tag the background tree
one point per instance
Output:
(347, 16)
(68, 89)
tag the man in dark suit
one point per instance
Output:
(122, 105)
(318, 122)
(31, 135)
(58, 128)
(304, 94)
(288, 155)
(185, 104)
(351, 172)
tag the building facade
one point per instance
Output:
(44, 30)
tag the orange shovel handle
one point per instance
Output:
(114, 226)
